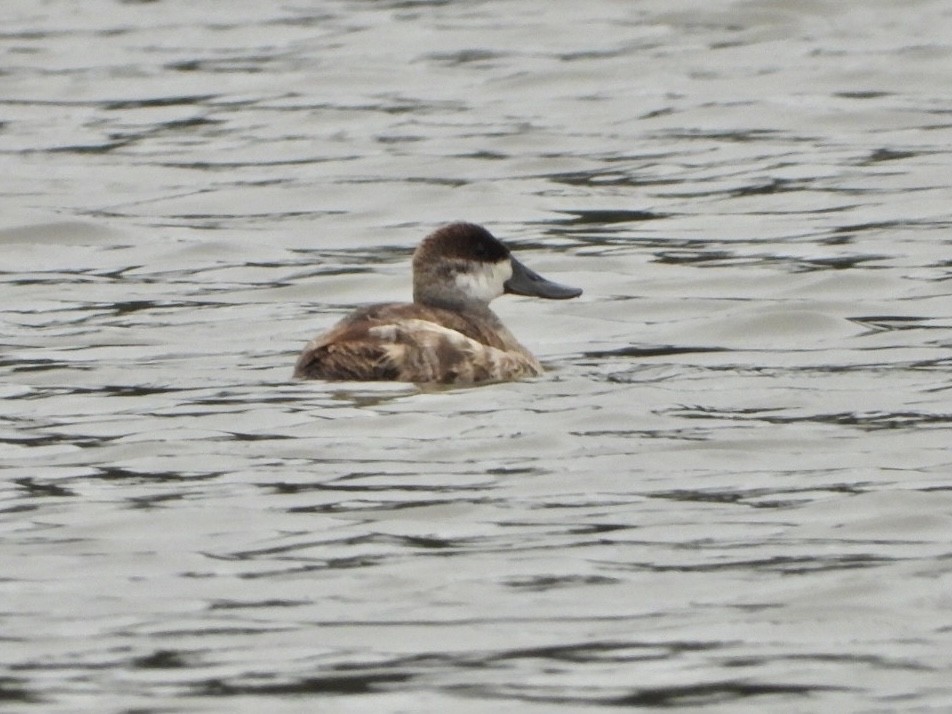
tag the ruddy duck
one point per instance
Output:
(447, 334)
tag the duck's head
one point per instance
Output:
(463, 263)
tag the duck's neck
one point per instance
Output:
(456, 301)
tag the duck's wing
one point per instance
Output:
(476, 327)
(346, 352)
(409, 350)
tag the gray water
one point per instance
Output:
(729, 493)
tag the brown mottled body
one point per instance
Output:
(417, 343)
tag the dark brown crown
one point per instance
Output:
(463, 241)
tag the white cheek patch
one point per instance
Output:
(485, 281)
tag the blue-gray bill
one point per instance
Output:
(525, 281)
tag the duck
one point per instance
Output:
(448, 334)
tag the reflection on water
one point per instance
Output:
(730, 488)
